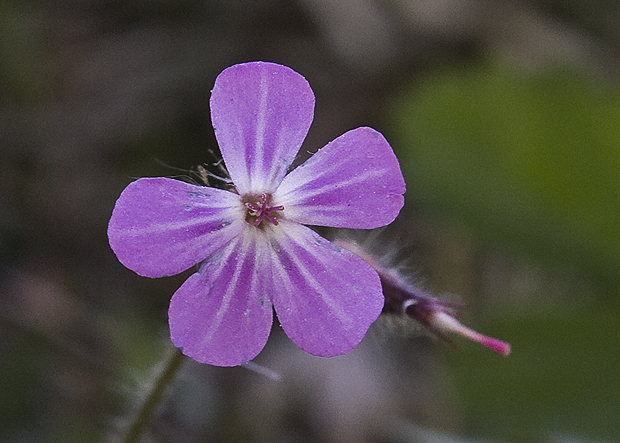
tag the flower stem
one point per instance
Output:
(167, 370)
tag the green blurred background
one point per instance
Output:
(506, 119)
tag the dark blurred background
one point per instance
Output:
(505, 115)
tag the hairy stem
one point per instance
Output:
(168, 369)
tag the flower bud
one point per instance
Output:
(438, 316)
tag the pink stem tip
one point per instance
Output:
(444, 321)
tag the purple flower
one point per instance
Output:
(255, 250)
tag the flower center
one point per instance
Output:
(260, 208)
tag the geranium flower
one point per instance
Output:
(251, 240)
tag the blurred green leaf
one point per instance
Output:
(562, 378)
(527, 160)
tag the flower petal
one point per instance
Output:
(222, 315)
(353, 182)
(161, 226)
(261, 113)
(326, 298)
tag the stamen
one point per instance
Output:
(263, 210)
